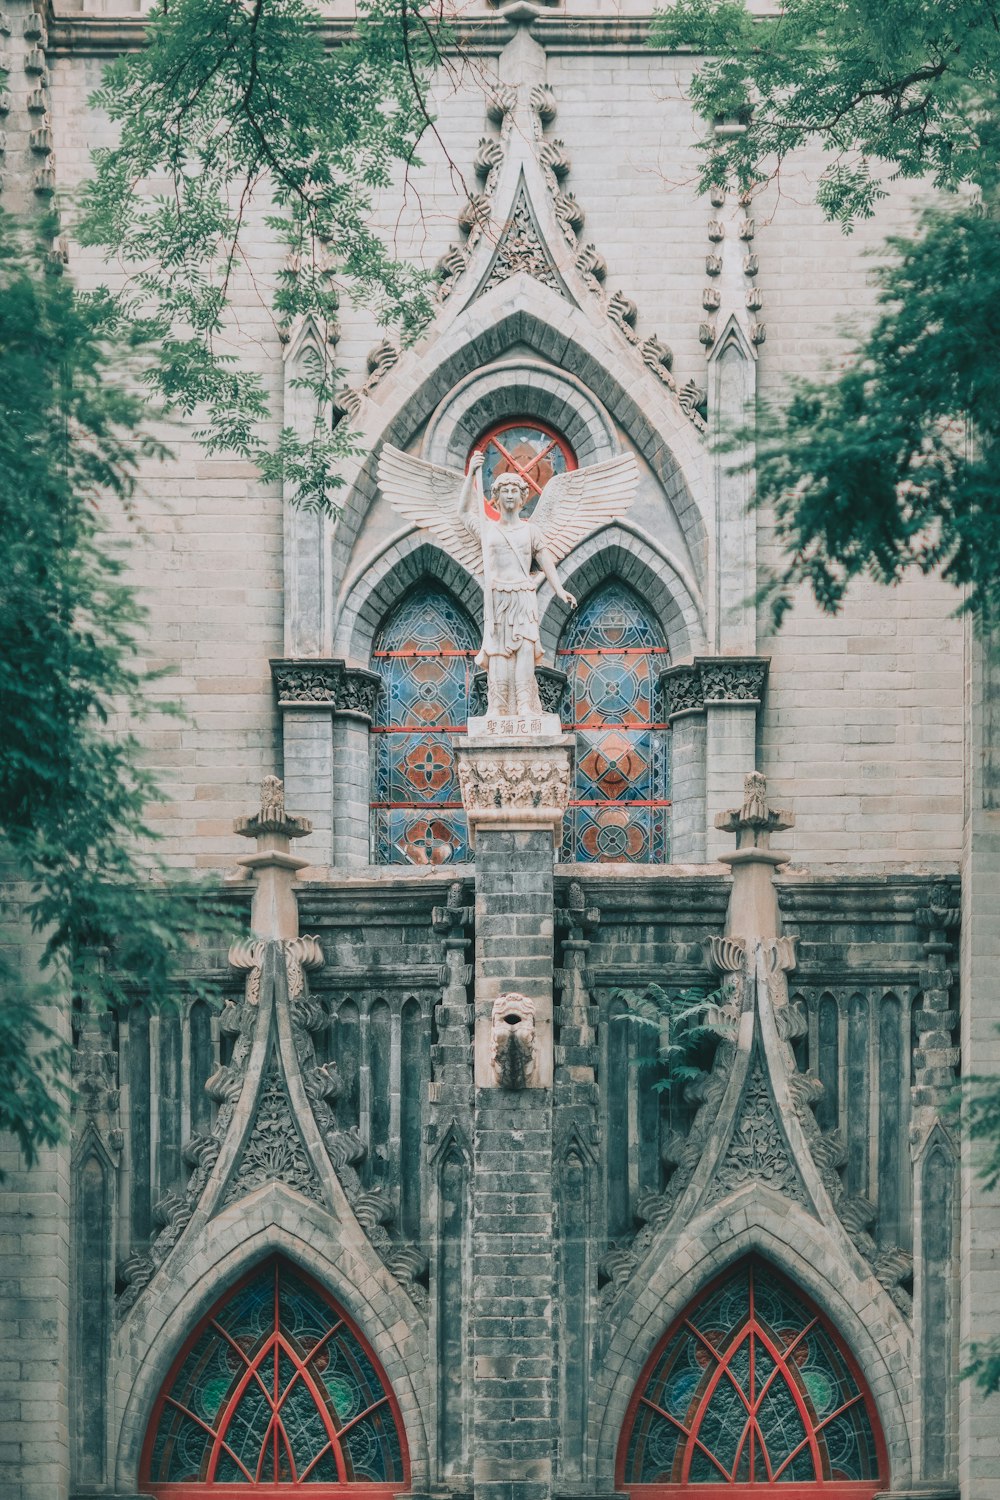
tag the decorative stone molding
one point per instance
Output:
(359, 691)
(514, 785)
(757, 1149)
(325, 682)
(709, 680)
(274, 1151)
(682, 691)
(733, 679)
(306, 684)
(521, 249)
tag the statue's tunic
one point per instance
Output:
(515, 605)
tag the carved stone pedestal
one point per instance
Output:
(515, 782)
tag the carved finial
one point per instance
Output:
(754, 822)
(753, 905)
(272, 817)
(272, 798)
(274, 913)
(755, 798)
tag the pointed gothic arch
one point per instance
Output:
(525, 315)
(612, 651)
(750, 1389)
(424, 652)
(275, 1391)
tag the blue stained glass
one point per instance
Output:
(371, 1448)
(181, 1448)
(780, 1423)
(765, 1414)
(724, 1422)
(613, 653)
(313, 1378)
(424, 654)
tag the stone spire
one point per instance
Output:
(753, 906)
(275, 912)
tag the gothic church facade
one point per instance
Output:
(326, 1238)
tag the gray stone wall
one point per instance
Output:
(530, 1219)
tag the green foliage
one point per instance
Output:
(239, 121)
(890, 464)
(895, 463)
(73, 790)
(911, 85)
(688, 1026)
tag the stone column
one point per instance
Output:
(326, 711)
(352, 722)
(684, 709)
(979, 1416)
(515, 792)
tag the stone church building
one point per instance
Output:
(437, 1201)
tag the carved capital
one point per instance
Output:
(682, 691)
(733, 679)
(311, 683)
(325, 682)
(359, 690)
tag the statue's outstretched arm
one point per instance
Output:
(546, 562)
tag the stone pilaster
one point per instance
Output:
(515, 792)
(712, 704)
(326, 711)
(684, 708)
(576, 1182)
(514, 1437)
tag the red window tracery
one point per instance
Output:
(275, 1394)
(524, 446)
(751, 1392)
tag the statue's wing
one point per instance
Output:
(576, 503)
(428, 494)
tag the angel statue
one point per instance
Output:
(501, 553)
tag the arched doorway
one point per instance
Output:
(275, 1393)
(751, 1392)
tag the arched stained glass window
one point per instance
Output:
(424, 654)
(612, 653)
(276, 1390)
(526, 447)
(751, 1389)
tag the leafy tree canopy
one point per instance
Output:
(892, 464)
(73, 790)
(236, 113)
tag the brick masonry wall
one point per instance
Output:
(512, 1328)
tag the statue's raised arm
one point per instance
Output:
(504, 552)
